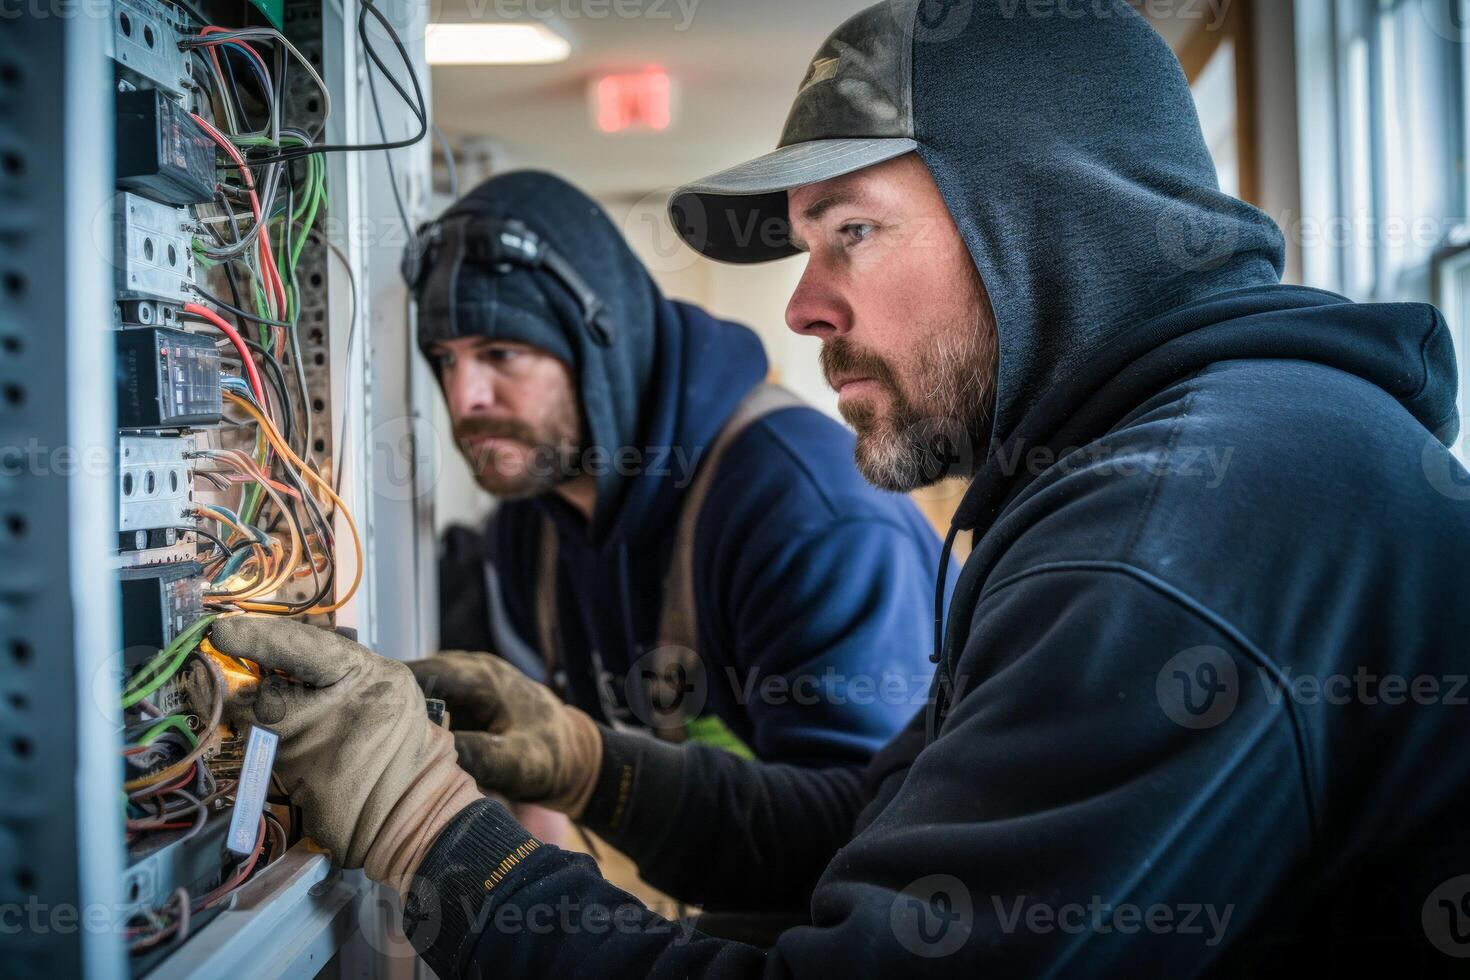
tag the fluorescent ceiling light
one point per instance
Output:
(494, 44)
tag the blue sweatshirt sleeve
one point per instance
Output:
(1079, 810)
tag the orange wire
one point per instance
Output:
(310, 474)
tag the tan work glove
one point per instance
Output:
(376, 781)
(513, 734)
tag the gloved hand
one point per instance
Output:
(376, 781)
(513, 734)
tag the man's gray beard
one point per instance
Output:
(942, 434)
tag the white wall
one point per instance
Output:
(755, 295)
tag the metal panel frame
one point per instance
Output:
(60, 839)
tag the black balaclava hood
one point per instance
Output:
(533, 307)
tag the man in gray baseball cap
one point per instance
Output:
(1191, 488)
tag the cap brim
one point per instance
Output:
(739, 215)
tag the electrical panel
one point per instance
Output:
(184, 369)
(221, 506)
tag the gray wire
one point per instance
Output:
(448, 162)
(341, 446)
(270, 34)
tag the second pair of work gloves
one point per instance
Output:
(513, 734)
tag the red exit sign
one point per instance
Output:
(635, 101)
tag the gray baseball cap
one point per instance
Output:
(854, 109)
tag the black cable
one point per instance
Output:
(324, 533)
(323, 529)
(293, 333)
(235, 310)
(278, 375)
(320, 524)
(229, 268)
(266, 89)
(274, 380)
(213, 539)
(416, 105)
(227, 216)
(233, 87)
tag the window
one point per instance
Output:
(1382, 87)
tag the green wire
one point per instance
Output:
(166, 664)
(172, 721)
(313, 201)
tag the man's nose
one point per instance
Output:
(817, 309)
(469, 392)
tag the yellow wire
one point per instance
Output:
(306, 471)
(280, 571)
(235, 526)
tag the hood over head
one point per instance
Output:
(1070, 155)
(669, 375)
(534, 307)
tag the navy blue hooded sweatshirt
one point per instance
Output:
(1202, 706)
(810, 585)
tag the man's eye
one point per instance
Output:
(443, 360)
(856, 233)
(501, 355)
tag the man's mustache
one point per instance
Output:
(481, 428)
(840, 358)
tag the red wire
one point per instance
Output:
(180, 783)
(233, 335)
(212, 29)
(268, 272)
(239, 876)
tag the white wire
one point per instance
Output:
(270, 34)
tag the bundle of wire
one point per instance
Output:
(171, 785)
(271, 525)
